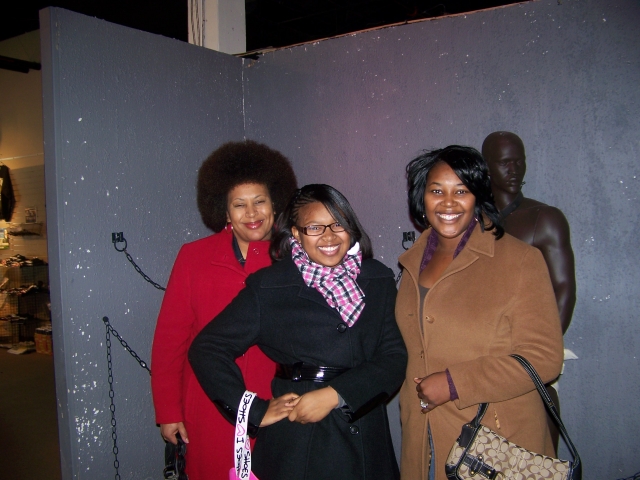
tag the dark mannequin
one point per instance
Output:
(533, 222)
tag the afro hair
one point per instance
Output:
(237, 163)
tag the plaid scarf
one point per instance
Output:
(336, 284)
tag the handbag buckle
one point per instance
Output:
(476, 465)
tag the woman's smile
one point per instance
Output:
(447, 217)
(329, 249)
(254, 225)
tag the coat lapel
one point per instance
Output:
(313, 295)
(288, 275)
(410, 262)
(480, 243)
(223, 256)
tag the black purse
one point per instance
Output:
(174, 460)
(480, 452)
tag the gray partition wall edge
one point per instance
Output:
(563, 75)
(128, 119)
(50, 84)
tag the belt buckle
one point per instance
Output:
(296, 373)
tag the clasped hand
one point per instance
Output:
(308, 408)
(433, 390)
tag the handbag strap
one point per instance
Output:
(551, 407)
(242, 446)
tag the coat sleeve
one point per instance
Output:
(214, 350)
(535, 334)
(373, 382)
(170, 344)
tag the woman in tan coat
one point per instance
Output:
(470, 296)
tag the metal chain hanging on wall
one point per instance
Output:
(119, 238)
(115, 239)
(112, 406)
(635, 476)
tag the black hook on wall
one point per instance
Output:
(408, 237)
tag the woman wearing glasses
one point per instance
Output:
(325, 313)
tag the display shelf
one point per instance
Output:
(15, 329)
(24, 302)
(25, 229)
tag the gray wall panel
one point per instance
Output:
(351, 112)
(565, 76)
(129, 117)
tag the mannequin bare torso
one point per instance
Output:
(533, 222)
(547, 229)
(523, 221)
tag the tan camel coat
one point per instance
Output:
(493, 300)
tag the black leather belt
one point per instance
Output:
(300, 371)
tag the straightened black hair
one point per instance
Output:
(337, 205)
(470, 167)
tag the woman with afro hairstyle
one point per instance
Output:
(241, 186)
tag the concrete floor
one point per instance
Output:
(28, 419)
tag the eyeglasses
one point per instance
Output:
(316, 230)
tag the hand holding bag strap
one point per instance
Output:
(553, 411)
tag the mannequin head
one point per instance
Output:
(504, 154)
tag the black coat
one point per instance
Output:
(7, 200)
(293, 323)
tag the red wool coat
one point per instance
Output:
(206, 276)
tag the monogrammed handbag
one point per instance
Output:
(481, 453)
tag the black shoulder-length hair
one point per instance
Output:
(338, 207)
(238, 163)
(471, 169)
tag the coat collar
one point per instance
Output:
(222, 254)
(480, 243)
